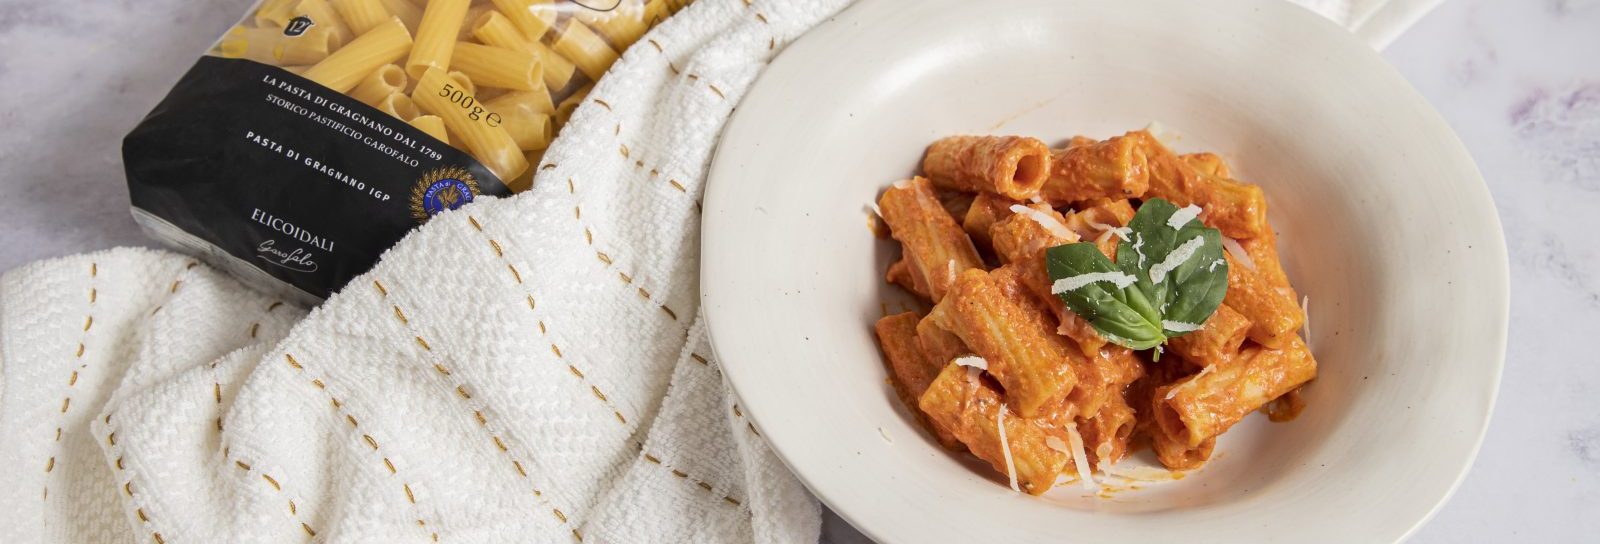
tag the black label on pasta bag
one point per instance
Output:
(305, 184)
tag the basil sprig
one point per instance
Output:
(1166, 282)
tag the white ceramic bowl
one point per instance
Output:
(1384, 222)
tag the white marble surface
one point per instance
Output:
(1518, 79)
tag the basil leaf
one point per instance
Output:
(1122, 315)
(1173, 279)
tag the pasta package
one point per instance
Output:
(314, 134)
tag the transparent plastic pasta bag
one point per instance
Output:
(316, 133)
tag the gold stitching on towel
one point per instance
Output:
(423, 343)
(541, 327)
(111, 439)
(763, 18)
(496, 246)
(128, 488)
(352, 420)
(624, 149)
(80, 351)
(390, 465)
(658, 46)
(319, 384)
(409, 496)
(370, 441)
(570, 187)
(514, 273)
(73, 380)
(670, 313)
(644, 293)
(272, 481)
(603, 257)
(157, 537)
(678, 186)
(381, 290)
(142, 517)
(174, 287)
(93, 293)
(625, 278)
(274, 305)
(292, 509)
(731, 501)
(499, 443)
(242, 465)
(50, 465)
(401, 316)
(216, 392)
(64, 403)
(474, 221)
(441, 369)
(555, 349)
(588, 236)
(94, 269)
(697, 358)
(462, 390)
(716, 90)
(308, 529)
(559, 515)
(575, 371)
(479, 415)
(292, 362)
(88, 322)
(253, 328)
(602, 103)
(518, 465)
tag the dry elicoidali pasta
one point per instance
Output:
(315, 134)
(491, 48)
(1086, 302)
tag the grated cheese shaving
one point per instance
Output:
(1119, 279)
(952, 269)
(1005, 448)
(1036, 199)
(885, 435)
(1080, 460)
(1050, 224)
(1183, 216)
(903, 184)
(972, 361)
(1214, 265)
(1121, 232)
(1138, 248)
(873, 207)
(1176, 258)
(1238, 252)
(1305, 326)
(1179, 326)
(1056, 444)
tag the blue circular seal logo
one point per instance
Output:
(442, 189)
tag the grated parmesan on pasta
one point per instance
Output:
(1069, 283)
(1238, 252)
(1080, 460)
(1176, 258)
(1005, 448)
(1050, 224)
(972, 361)
(1183, 216)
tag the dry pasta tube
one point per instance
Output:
(532, 17)
(986, 210)
(1205, 405)
(323, 15)
(469, 22)
(362, 15)
(1274, 316)
(433, 126)
(970, 410)
(386, 80)
(584, 48)
(1115, 168)
(398, 106)
(312, 46)
(342, 70)
(1217, 342)
(1025, 355)
(408, 13)
(493, 28)
(621, 26)
(436, 36)
(934, 246)
(274, 14)
(910, 371)
(496, 67)
(255, 44)
(1012, 166)
(531, 131)
(532, 101)
(463, 82)
(471, 123)
(570, 104)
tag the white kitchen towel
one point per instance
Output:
(525, 369)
